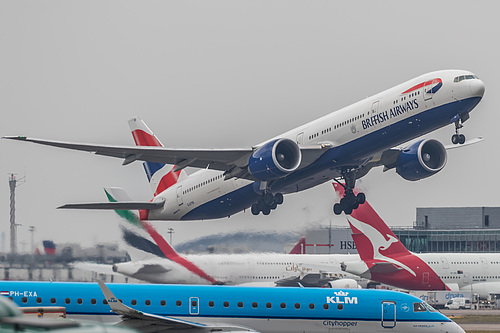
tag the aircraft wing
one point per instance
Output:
(217, 159)
(141, 320)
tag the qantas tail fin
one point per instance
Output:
(370, 233)
(160, 176)
(300, 247)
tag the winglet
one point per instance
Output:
(114, 303)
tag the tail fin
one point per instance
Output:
(371, 234)
(144, 240)
(160, 176)
(300, 247)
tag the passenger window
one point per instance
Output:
(268, 305)
(419, 307)
(104, 301)
(340, 306)
(147, 302)
(52, 300)
(211, 304)
(163, 303)
(297, 306)
(67, 301)
(226, 304)
(283, 305)
(133, 302)
(79, 301)
(254, 305)
(240, 304)
(39, 300)
(93, 301)
(178, 303)
(326, 306)
(24, 300)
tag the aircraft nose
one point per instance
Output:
(477, 88)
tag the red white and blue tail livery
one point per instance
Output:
(343, 145)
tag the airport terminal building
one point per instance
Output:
(443, 229)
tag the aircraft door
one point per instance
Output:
(300, 138)
(388, 314)
(427, 90)
(444, 261)
(425, 277)
(179, 195)
(194, 305)
(374, 108)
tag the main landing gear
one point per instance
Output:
(267, 203)
(350, 201)
(458, 138)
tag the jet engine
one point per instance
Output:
(421, 160)
(343, 284)
(274, 160)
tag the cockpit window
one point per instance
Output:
(429, 307)
(419, 307)
(465, 77)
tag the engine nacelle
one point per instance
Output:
(344, 284)
(421, 160)
(274, 160)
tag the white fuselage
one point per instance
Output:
(477, 272)
(237, 269)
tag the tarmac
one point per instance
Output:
(475, 321)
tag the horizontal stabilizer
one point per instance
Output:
(122, 205)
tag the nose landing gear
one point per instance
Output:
(458, 138)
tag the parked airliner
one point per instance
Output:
(238, 309)
(154, 260)
(385, 259)
(344, 144)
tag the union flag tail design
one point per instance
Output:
(160, 176)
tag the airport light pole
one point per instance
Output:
(13, 183)
(170, 232)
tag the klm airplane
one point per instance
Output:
(152, 307)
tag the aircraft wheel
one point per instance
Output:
(266, 211)
(273, 206)
(255, 209)
(261, 204)
(348, 210)
(455, 139)
(278, 198)
(361, 198)
(461, 139)
(268, 198)
(337, 209)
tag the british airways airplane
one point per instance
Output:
(385, 259)
(343, 145)
(237, 309)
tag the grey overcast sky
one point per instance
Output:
(225, 74)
